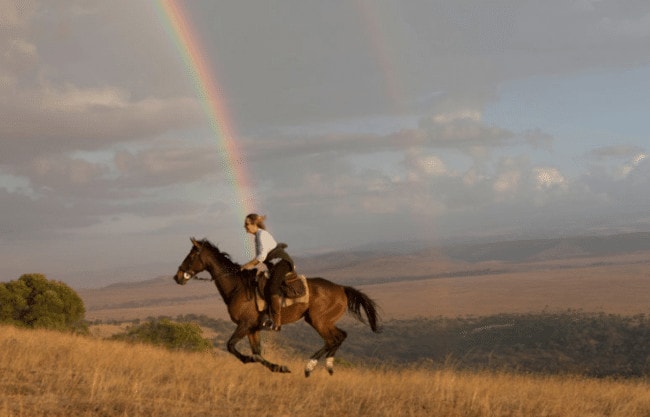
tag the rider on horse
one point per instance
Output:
(277, 261)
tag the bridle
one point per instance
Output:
(190, 274)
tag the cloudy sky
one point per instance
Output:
(358, 122)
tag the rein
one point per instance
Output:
(202, 278)
(215, 278)
(225, 274)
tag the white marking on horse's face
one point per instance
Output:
(187, 275)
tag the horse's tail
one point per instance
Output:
(358, 300)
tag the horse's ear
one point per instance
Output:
(195, 243)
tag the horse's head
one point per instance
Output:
(192, 264)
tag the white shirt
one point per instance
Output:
(264, 243)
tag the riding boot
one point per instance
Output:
(266, 321)
(276, 306)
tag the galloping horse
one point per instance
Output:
(327, 303)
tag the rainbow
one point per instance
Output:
(375, 31)
(213, 101)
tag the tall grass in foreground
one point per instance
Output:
(52, 374)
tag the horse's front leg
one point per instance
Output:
(256, 347)
(241, 331)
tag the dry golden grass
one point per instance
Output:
(52, 374)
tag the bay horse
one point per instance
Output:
(327, 304)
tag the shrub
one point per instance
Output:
(34, 301)
(166, 333)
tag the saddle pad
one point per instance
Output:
(286, 302)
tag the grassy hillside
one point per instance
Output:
(54, 374)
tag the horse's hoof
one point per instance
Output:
(280, 368)
(330, 371)
(307, 374)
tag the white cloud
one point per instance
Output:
(628, 168)
(422, 166)
(165, 164)
(614, 151)
(54, 120)
(639, 158)
(74, 99)
(615, 162)
(433, 165)
(473, 177)
(467, 114)
(507, 182)
(56, 172)
(462, 132)
(548, 177)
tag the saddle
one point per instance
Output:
(294, 290)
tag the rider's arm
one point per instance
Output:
(264, 243)
(251, 264)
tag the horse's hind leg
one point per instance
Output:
(333, 337)
(338, 338)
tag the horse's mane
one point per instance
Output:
(246, 277)
(216, 252)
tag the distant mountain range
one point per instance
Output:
(511, 251)
(470, 278)
(550, 249)
(399, 260)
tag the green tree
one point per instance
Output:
(36, 302)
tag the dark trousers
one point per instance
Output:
(277, 274)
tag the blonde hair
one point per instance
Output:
(257, 220)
